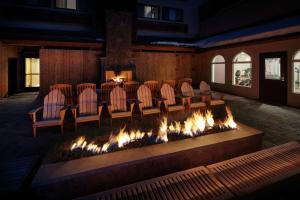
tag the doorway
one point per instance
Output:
(273, 78)
(12, 76)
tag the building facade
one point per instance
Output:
(241, 47)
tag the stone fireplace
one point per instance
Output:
(118, 64)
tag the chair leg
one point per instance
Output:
(111, 122)
(62, 129)
(75, 126)
(99, 123)
(34, 131)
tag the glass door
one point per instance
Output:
(273, 81)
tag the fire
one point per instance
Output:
(163, 131)
(229, 121)
(118, 79)
(81, 143)
(192, 126)
(209, 118)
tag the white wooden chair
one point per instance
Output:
(88, 108)
(54, 111)
(207, 94)
(171, 103)
(193, 102)
(147, 104)
(118, 106)
(66, 90)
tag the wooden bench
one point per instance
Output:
(255, 171)
(194, 183)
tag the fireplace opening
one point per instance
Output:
(118, 76)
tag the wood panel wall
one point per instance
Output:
(162, 66)
(68, 66)
(6, 52)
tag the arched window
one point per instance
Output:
(241, 73)
(296, 72)
(218, 70)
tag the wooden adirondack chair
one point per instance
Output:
(193, 102)
(170, 101)
(87, 109)
(67, 91)
(106, 89)
(147, 104)
(172, 83)
(207, 94)
(81, 87)
(131, 88)
(54, 111)
(154, 87)
(118, 106)
(181, 81)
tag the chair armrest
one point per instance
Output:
(220, 95)
(157, 102)
(62, 112)
(33, 112)
(100, 106)
(180, 99)
(109, 108)
(74, 110)
(131, 104)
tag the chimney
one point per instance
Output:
(119, 30)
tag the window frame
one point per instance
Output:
(172, 8)
(293, 74)
(212, 69)
(69, 9)
(151, 5)
(241, 62)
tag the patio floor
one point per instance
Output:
(280, 124)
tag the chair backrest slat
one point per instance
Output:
(118, 99)
(83, 86)
(53, 103)
(187, 90)
(106, 89)
(88, 102)
(144, 95)
(172, 83)
(67, 91)
(204, 87)
(153, 85)
(131, 88)
(168, 93)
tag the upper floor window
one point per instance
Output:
(66, 4)
(242, 67)
(172, 14)
(296, 72)
(148, 11)
(218, 70)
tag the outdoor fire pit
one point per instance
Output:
(131, 156)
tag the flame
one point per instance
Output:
(192, 126)
(82, 144)
(118, 79)
(209, 118)
(163, 131)
(229, 121)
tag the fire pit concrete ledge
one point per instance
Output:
(83, 176)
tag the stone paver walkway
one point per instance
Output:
(280, 124)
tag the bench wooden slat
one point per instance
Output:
(196, 183)
(254, 171)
